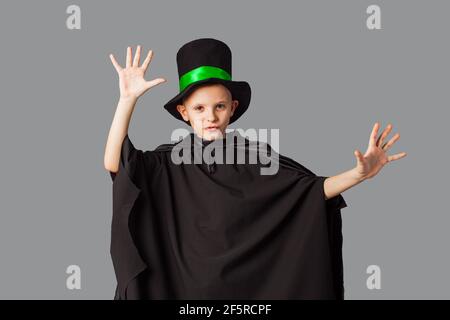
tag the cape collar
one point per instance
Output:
(232, 138)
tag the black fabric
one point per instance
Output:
(222, 231)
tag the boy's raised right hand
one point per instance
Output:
(131, 78)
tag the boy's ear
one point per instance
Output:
(182, 110)
(234, 106)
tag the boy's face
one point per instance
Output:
(208, 106)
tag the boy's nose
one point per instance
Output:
(211, 116)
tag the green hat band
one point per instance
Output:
(201, 73)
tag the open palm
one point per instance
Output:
(131, 78)
(369, 164)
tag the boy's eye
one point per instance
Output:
(198, 108)
(221, 106)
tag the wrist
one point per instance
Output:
(358, 177)
(128, 99)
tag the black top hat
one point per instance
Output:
(204, 61)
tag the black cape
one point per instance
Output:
(221, 230)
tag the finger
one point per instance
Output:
(154, 82)
(115, 64)
(147, 60)
(137, 56)
(128, 64)
(384, 135)
(389, 144)
(358, 155)
(397, 156)
(373, 135)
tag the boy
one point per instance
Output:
(221, 230)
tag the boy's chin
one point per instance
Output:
(211, 135)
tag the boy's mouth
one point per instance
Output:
(212, 128)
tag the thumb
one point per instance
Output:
(154, 82)
(358, 155)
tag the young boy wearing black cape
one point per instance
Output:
(220, 229)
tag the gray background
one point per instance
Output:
(317, 73)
